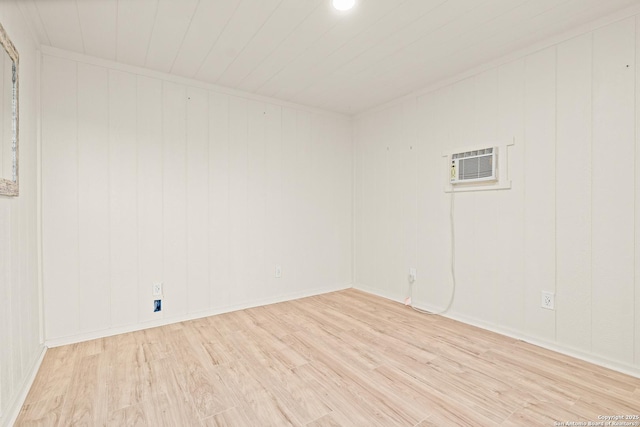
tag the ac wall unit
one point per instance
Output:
(474, 166)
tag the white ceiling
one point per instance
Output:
(302, 50)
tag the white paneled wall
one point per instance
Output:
(539, 186)
(573, 197)
(20, 345)
(153, 180)
(149, 188)
(568, 224)
(60, 172)
(613, 191)
(93, 212)
(510, 235)
(637, 209)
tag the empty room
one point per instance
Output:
(320, 213)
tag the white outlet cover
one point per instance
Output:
(157, 289)
(547, 300)
(278, 272)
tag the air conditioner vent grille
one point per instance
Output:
(473, 153)
(474, 166)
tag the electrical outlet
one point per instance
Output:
(412, 275)
(548, 300)
(278, 272)
(157, 289)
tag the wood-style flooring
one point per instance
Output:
(341, 359)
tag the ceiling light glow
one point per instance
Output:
(343, 4)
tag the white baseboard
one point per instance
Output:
(615, 365)
(72, 339)
(15, 406)
(378, 292)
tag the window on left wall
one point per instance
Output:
(9, 111)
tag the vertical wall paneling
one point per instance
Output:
(462, 110)
(485, 215)
(255, 268)
(637, 201)
(238, 206)
(336, 189)
(573, 193)
(360, 144)
(539, 204)
(6, 374)
(377, 176)
(613, 192)
(219, 218)
(387, 253)
(316, 196)
(317, 155)
(290, 216)
(411, 167)
(174, 183)
(341, 141)
(432, 286)
(365, 216)
(150, 198)
(274, 199)
(510, 208)
(93, 197)
(302, 192)
(60, 226)
(328, 194)
(201, 191)
(378, 172)
(123, 204)
(17, 245)
(20, 346)
(445, 288)
(405, 184)
(396, 200)
(198, 292)
(358, 187)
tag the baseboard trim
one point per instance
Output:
(621, 367)
(16, 405)
(73, 339)
(614, 365)
(378, 292)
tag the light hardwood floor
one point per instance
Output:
(341, 359)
